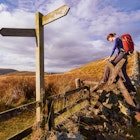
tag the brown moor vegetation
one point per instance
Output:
(18, 89)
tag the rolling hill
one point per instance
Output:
(96, 68)
(5, 71)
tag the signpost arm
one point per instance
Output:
(56, 14)
(40, 89)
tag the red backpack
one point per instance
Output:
(128, 43)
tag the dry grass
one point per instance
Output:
(16, 90)
(95, 69)
(16, 124)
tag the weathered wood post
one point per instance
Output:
(40, 91)
(77, 83)
(51, 123)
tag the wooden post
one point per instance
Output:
(51, 123)
(77, 83)
(40, 91)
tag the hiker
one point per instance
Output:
(118, 45)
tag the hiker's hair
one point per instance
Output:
(111, 35)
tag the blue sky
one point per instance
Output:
(72, 41)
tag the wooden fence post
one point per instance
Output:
(77, 83)
(51, 114)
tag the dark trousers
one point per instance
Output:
(126, 77)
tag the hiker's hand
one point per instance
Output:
(107, 59)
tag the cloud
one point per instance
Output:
(70, 42)
(3, 7)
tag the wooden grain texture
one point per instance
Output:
(17, 32)
(56, 14)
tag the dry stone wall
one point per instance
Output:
(136, 69)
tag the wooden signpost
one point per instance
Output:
(38, 32)
(40, 22)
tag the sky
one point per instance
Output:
(71, 41)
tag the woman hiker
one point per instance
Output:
(118, 45)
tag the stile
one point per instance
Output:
(115, 70)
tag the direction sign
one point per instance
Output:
(17, 32)
(58, 13)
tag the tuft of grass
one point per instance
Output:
(16, 91)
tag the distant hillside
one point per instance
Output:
(93, 68)
(5, 71)
(21, 73)
(96, 68)
(13, 72)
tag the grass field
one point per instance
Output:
(18, 89)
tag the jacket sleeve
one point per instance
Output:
(114, 47)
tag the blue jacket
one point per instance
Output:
(117, 45)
